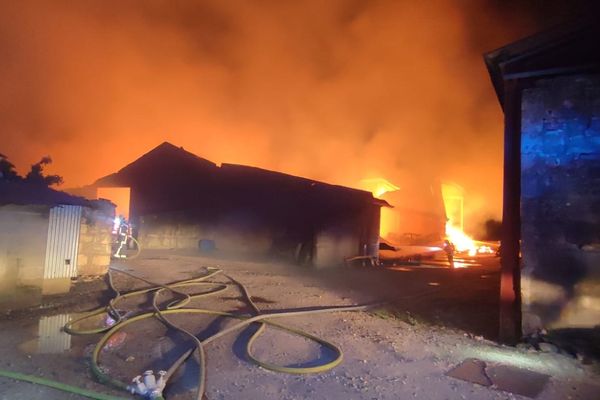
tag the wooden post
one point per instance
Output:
(510, 273)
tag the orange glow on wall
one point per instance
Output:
(390, 220)
(379, 187)
(119, 196)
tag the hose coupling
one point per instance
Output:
(147, 385)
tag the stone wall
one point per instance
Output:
(95, 240)
(560, 203)
(177, 231)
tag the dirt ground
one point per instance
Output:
(434, 319)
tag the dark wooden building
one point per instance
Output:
(181, 201)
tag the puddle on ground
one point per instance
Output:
(52, 339)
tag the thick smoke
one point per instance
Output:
(331, 90)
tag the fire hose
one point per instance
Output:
(150, 387)
(57, 385)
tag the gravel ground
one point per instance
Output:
(435, 319)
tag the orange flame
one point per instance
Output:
(379, 187)
(462, 242)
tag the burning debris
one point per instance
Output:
(411, 231)
(466, 244)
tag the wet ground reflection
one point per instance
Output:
(51, 337)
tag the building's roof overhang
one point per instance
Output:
(566, 49)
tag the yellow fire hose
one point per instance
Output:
(138, 248)
(177, 307)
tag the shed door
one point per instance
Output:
(63, 242)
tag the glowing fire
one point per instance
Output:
(461, 241)
(485, 249)
(452, 195)
(378, 186)
(454, 205)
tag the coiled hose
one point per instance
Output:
(178, 307)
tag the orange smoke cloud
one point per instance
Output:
(338, 90)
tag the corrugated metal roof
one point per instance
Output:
(23, 193)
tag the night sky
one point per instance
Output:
(332, 90)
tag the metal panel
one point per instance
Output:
(63, 242)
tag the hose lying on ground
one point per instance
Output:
(177, 307)
(57, 385)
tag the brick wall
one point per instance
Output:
(560, 203)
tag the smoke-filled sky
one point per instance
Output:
(332, 90)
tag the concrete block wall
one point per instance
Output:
(95, 238)
(23, 236)
(560, 203)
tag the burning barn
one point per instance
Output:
(549, 88)
(178, 200)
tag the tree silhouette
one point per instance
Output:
(7, 170)
(36, 174)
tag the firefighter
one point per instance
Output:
(123, 234)
(449, 249)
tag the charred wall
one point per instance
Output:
(560, 203)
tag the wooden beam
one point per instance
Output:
(510, 273)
